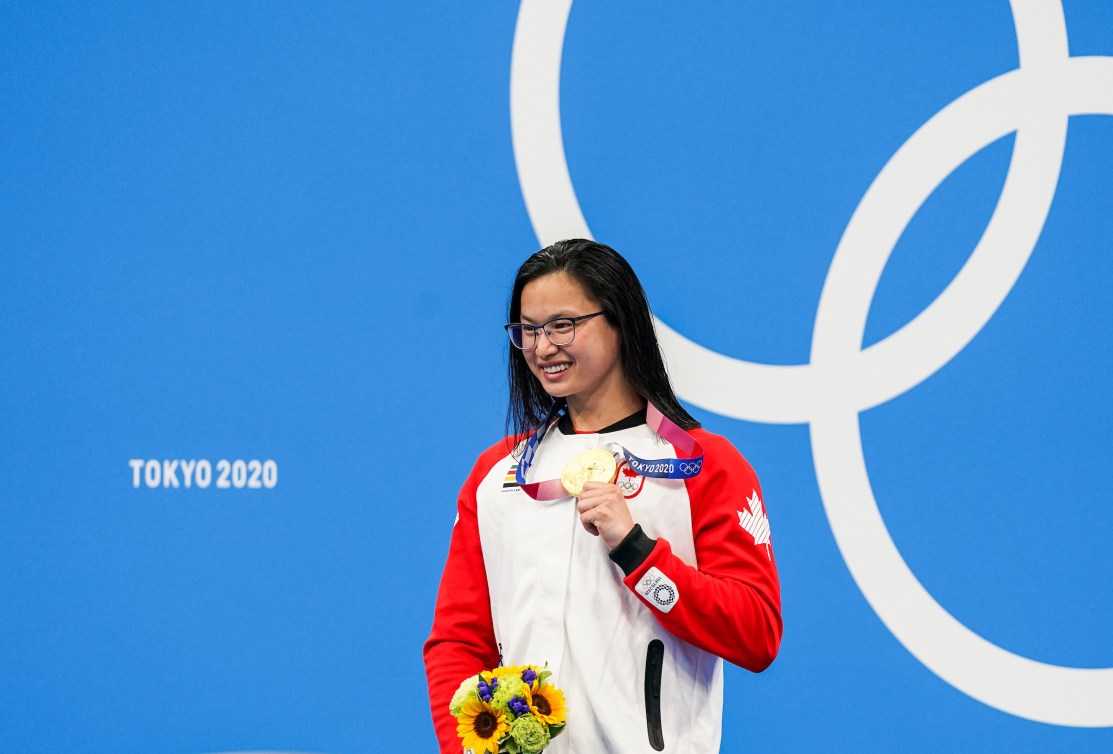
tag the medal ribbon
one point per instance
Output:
(660, 468)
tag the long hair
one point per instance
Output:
(608, 279)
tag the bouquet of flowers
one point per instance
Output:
(509, 709)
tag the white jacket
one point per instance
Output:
(633, 637)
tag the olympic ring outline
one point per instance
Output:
(842, 379)
(691, 468)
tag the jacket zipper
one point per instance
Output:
(654, 660)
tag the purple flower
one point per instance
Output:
(528, 676)
(487, 689)
(518, 706)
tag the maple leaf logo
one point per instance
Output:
(629, 481)
(755, 521)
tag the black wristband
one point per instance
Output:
(632, 551)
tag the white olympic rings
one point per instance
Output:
(842, 379)
(691, 468)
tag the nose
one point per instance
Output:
(545, 346)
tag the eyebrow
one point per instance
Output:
(559, 315)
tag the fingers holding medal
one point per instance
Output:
(590, 476)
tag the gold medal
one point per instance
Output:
(594, 465)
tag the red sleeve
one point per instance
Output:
(462, 641)
(731, 604)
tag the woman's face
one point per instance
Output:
(588, 367)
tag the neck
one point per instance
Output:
(592, 413)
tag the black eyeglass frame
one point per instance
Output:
(535, 329)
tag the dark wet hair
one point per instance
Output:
(607, 278)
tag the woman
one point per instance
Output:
(634, 590)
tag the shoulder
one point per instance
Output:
(716, 446)
(719, 453)
(502, 448)
(496, 453)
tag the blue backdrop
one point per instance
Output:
(287, 232)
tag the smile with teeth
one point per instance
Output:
(554, 369)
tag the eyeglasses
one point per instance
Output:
(560, 332)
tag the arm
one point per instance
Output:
(731, 604)
(462, 641)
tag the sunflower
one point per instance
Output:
(480, 726)
(505, 670)
(546, 702)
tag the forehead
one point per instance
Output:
(555, 295)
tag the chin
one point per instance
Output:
(556, 391)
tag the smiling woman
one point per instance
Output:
(587, 372)
(632, 603)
